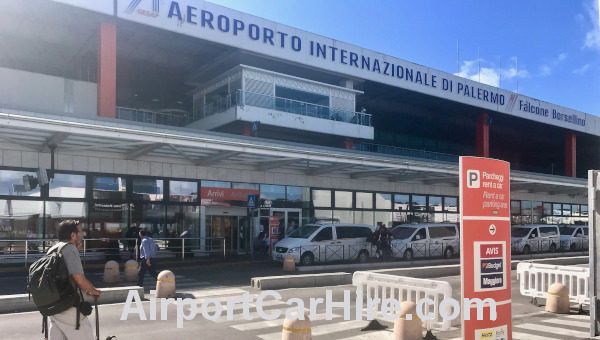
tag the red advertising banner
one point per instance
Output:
(485, 246)
(273, 232)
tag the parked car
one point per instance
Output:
(574, 237)
(425, 240)
(534, 238)
(326, 242)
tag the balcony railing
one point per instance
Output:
(394, 150)
(173, 118)
(286, 105)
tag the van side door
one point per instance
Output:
(419, 242)
(323, 240)
(533, 240)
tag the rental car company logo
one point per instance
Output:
(135, 3)
(491, 266)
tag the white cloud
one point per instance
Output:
(546, 69)
(581, 70)
(592, 37)
(486, 75)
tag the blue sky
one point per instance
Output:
(556, 43)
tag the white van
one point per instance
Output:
(425, 240)
(326, 242)
(534, 238)
(573, 237)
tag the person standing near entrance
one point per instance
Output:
(147, 257)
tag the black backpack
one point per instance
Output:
(49, 284)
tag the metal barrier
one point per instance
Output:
(29, 250)
(402, 288)
(535, 279)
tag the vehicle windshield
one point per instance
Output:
(566, 231)
(402, 233)
(304, 231)
(519, 232)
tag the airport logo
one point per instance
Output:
(133, 5)
(473, 179)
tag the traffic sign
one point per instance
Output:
(485, 246)
(252, 201)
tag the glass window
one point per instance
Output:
(442, 232)
(566, 210)
(302, 96)
(556, 209)
(399, 218)
(352, 232)
(575, 210)
(364, 200)
(383, 201)
(326, 234)
(19, 183)
(548, 231)
(67, 186)
(272, 192)
(526, 208)
(515, 207)
(109, 220)
(215, 184)
(420, 235)
(183, 191)
(363, 217)
(294, 193)
(183, 221)
(586, 231)
(547, 209)
(305, 231)
(56, 212)
(149, 217)
(321, 198)
(20, 220)
(323, 214)
(435, 203)
(519, 232)
(584, 210)
(343, 199)
(344, 216)
(401, 202)
(384, 217)
(402, 233)
(250, 186)
(109, 188)
(148, 189)
(451, 204)
(419, 203)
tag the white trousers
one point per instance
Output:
(62, 326)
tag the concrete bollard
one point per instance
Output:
(405, 329)
(165, 284)
(296, 329)
(557, 300)
(111, 272)
(289, 264)
(131, 270)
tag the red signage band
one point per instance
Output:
(490, 251)
(226, 194)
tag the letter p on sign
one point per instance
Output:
(473, 179)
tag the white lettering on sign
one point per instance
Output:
(492, 251)
(492, 282)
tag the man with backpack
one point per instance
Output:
(147, 257)
(56, 282)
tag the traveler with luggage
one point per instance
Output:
(56, 282)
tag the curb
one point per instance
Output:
(20, 302)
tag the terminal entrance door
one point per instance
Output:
(232, 227)
(289, 219)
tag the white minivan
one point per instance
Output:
(326, 242)
(425, 240)
(574, 237)
(534, 238)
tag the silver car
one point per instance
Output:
(574, 237)
(425, 240)
(534, 238)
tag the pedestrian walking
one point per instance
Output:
(147, 257)
(59, 296)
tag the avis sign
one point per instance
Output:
(485, 245)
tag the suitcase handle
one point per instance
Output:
(97, 318)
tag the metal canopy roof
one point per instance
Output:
(39, 132)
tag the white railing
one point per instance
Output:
(402, 288)
(535, 279)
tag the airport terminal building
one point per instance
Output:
(169, 115)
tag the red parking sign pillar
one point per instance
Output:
(485, 247)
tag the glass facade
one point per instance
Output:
(526, 212)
